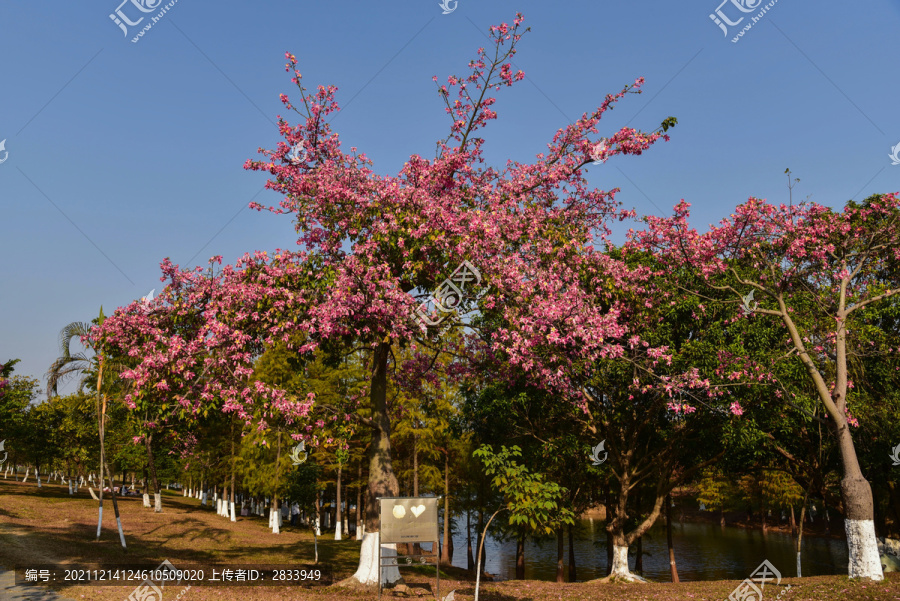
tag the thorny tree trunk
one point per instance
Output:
(382, 481)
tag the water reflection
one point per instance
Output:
(702, 552)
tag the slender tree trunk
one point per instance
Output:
(572, 572)
(793, 523)
(276, 519)
(672, 568)
(112, 492)
(231, 506)
(560, 555)
(447, 555)
(520, 557)
(339, 526)
(639, 558)
(609, 537)
(382, 481)
(157, 493)
(360, 527)
(470, 560)
(101, 414)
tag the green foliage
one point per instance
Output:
(533, 503)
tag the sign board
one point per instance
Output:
(409, 519)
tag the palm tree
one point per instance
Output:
(67, 366)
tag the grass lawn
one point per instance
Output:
(46, 526)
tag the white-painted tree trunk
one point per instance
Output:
(233, 518)
(70, 487)
(620, 565)
(38, 476)
(218, 506)
(864, 560)
(368, 562)
(337, 529)
(93, 495)
(318, 526)
(276, 523)
(147, 500)
(27, 471)
(158, 502)
(203, 498)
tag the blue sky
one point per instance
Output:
(121, 154)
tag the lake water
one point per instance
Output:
(702, 552)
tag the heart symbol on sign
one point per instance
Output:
(417, 511)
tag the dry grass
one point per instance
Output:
(47, 526)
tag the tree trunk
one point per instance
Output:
(382, 481)
(572, 572)
(560, 555)
(793, 523)
(470, 560)
(157, 495)
(520, 557)
(101, 415)
(339, 525)
(360, 528)
(146, 488)
(609, 537)
(447, 555)
(639, 556)
(276, 518)
(864, 559)
(112, 492)
(673, 570)
(233, 477)
(620, 561)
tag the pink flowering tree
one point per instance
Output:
(369, 244)
(822, 275)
